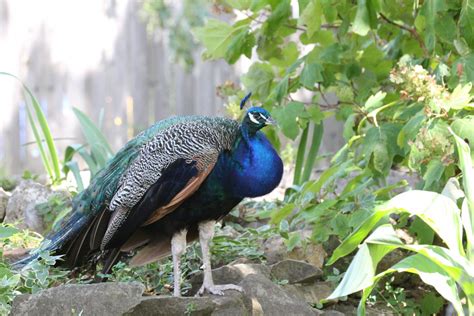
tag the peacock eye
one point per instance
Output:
(254, 118)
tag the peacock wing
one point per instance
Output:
(178, 181)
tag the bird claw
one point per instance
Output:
(218, 289)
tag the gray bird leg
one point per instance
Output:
(178, 247)
(206, 232)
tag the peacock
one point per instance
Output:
(167, 187)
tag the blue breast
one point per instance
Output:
(256, 169)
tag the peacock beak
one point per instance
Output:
(270, 121)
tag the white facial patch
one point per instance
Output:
(253, 119)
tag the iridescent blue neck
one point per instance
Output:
(257, 168)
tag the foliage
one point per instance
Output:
(448, 268)
(97, 156)
(52, 211)
(42, 134)
(37, 275)
(176, 21)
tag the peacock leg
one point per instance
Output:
(206, 232)
(178, 246)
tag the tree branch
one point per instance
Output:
(412, 31)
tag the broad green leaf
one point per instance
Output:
(289, 55)
(460, 97)
(287, 118)
(216, 36)
(429, 11)
(438, 211)
(242, 43)
(374, 101)
(259, 79)
(7, 231)
(464, 67)
(467, 215)
(362, 269)
(354, 239)
(410, 130)
(311, 74)
(428, 271)
(380, 146)
(280, 90)
(277, 18)
(466, 22)
(278, 215)
(452, 190)
(328, 176)
(366, 16)
(433, 173)
(311, 16)
(464, 128)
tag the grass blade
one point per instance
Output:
(52, 166)
(318, 131)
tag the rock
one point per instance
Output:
(168, 305)
(295, 271)
(232, 303)
(21, 206)
(83, 299)
(4, 197)
(312, 293)
(275, 250)
(232, 274)
(263, 297)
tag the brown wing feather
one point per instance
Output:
(191, 187)
(138, 239)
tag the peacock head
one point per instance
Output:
(256, 118)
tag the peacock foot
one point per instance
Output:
(217, 289)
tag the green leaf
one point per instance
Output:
(366, 16)
(354, 239)
(280, 90)
(259, 79)
(100, 148)
(460, 97)
(466, 22)
(428, 271)
(287, 118)
(311, 16)
(380, 146)
(467, 215)
(362, 269)
(438, 211)
(241, 44)
(216, 36)
(277, 19)
(410, 130)
(431, 303)
(7, 231)
(464, 128)
(433, 173)
(464, 67)
(429, 11)
(311, 74)
(374, 101)
(278, 215)
(50, 161)
(289, 55)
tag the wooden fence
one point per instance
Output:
(133, 80)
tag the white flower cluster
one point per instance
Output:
(417, 84)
